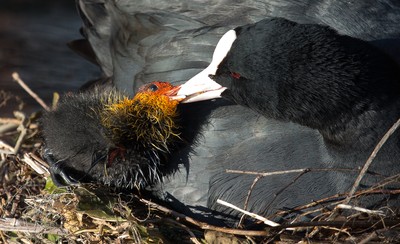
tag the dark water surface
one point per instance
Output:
(33, 37)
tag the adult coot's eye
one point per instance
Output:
(235, 75)
(153, 87)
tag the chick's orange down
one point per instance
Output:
(150, 117)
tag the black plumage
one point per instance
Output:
(136, 42)
(343, 88)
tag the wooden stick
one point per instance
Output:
(16, 77)
(291, 171)
(12, 224)
(266, 221)
(203, 225)
(370, 159)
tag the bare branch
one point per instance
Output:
(364, 210)
(12, 224)
(371, 158)
(16, 77)
(256, 216)
(203, 225)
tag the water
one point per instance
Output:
(33, 37)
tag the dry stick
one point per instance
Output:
(2, 159)
(266, 173)
(3, 237)
(392, 129)
(9, 121)
(12, 224)
(16, 77)
(368, 239)
(39, 160)
(246, 202)
(287, 186)
(5, 146)
(203, 225)
(4, 128)
(22, 129)
(281, 172)
(192, 235)
(364, 210)
(259, 175)
(373, 190)
(385, 223)
(256, 216)
(370, 159)
(35, 165)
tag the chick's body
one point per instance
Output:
(111, 138)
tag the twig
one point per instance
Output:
(364, 210)
(9, 121)
(265, 173)
(7, 127)
(287, 186)
(35, 164)
(337, 197)
(370, 159)
(246, 202)
(347, 223)
(12, 224)
(192, 236)
(369, 237)
(22, 129)
(256, 216)
(16, 77)
(281, 172)
(2, 159)
(39, 160)
(3, 238)
(203, 225)
(6, 146)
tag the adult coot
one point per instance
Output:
(141, 41)
(344, 88)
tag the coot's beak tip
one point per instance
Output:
(199, 88)
(179, 98)
(173, 91)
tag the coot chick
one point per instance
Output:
(345, 89)
(108, 138)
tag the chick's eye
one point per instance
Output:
(235, 75)
(153, 87)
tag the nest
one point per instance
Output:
(32, 209)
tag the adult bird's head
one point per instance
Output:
(202, 86)
(108, 138)
(303, 73)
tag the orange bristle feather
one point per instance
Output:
(149, 118)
